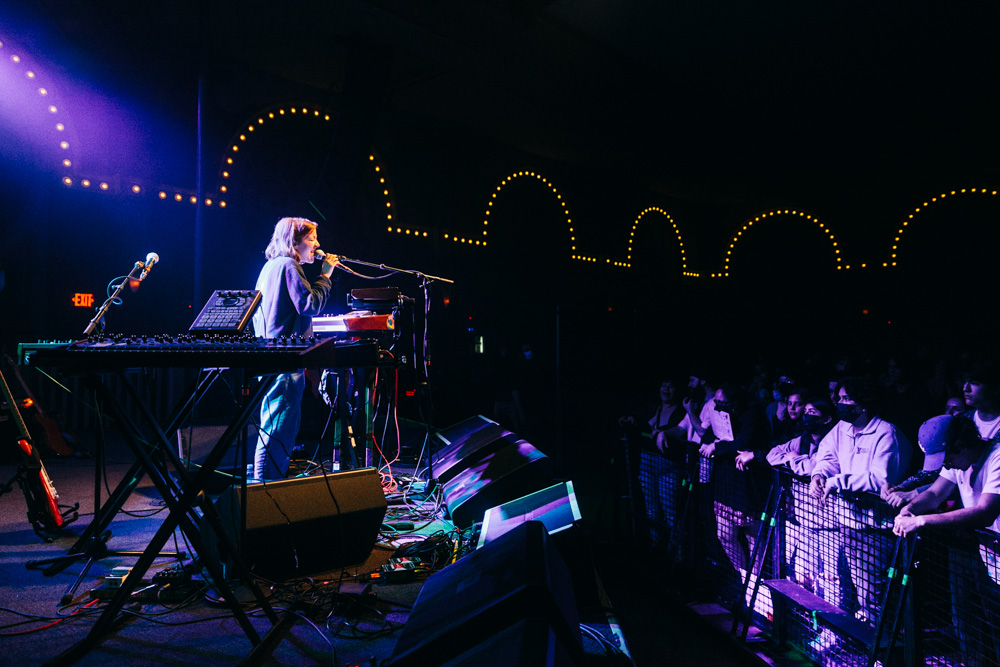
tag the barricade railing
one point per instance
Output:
(825, 576)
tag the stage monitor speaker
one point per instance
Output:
(302, 526)
(466, 442)
(557, 509)
(485, 595)
(195, 443)
(514, 470)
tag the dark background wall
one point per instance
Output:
(855, 116)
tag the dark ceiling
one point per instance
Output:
(691, 98)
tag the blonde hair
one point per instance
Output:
(288, 233)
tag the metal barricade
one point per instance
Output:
(826, 578)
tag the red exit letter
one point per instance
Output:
(83, 300)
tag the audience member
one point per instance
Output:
(861, 454)
(812, 536)
(741, 489)
(955, 406)
(982, 395)
(931, 439)
(972, 466)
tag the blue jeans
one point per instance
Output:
(280, 416)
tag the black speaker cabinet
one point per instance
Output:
(514, 470)
(302, 526)
(483, 601)
(466, 442)
(528, 643)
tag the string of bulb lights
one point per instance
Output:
(56, 119)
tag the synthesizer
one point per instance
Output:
(227, 311)
(263, 355)
(359, 323)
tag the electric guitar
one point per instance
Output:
(39, 492)
(53, 435)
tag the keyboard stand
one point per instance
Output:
(116, 501)
(181, 501)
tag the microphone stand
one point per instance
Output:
(93, 543)
(111, 299)
(425, 404)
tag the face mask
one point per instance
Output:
(813, 424)
(847, 413)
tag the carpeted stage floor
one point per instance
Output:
(629, 620)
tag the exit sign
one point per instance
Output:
(83, 300)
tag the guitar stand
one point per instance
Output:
(34, 516)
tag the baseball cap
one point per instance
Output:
(933, 438)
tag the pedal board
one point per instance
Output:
(150, 592)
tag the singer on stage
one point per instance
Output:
(288, 304)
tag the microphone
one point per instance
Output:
(320, 255)
(151, 259)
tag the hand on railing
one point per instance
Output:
(897, 498)
(905, 522)
(820, 490)
(817, 487)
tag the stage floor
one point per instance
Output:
(331, 623)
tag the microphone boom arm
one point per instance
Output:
(385, 267)
(111, 299)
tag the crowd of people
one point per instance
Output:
(845, 435)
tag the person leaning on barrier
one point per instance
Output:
(857, 457)
(931, 438)
(972, 466)
(863, 452)
(812, 539)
